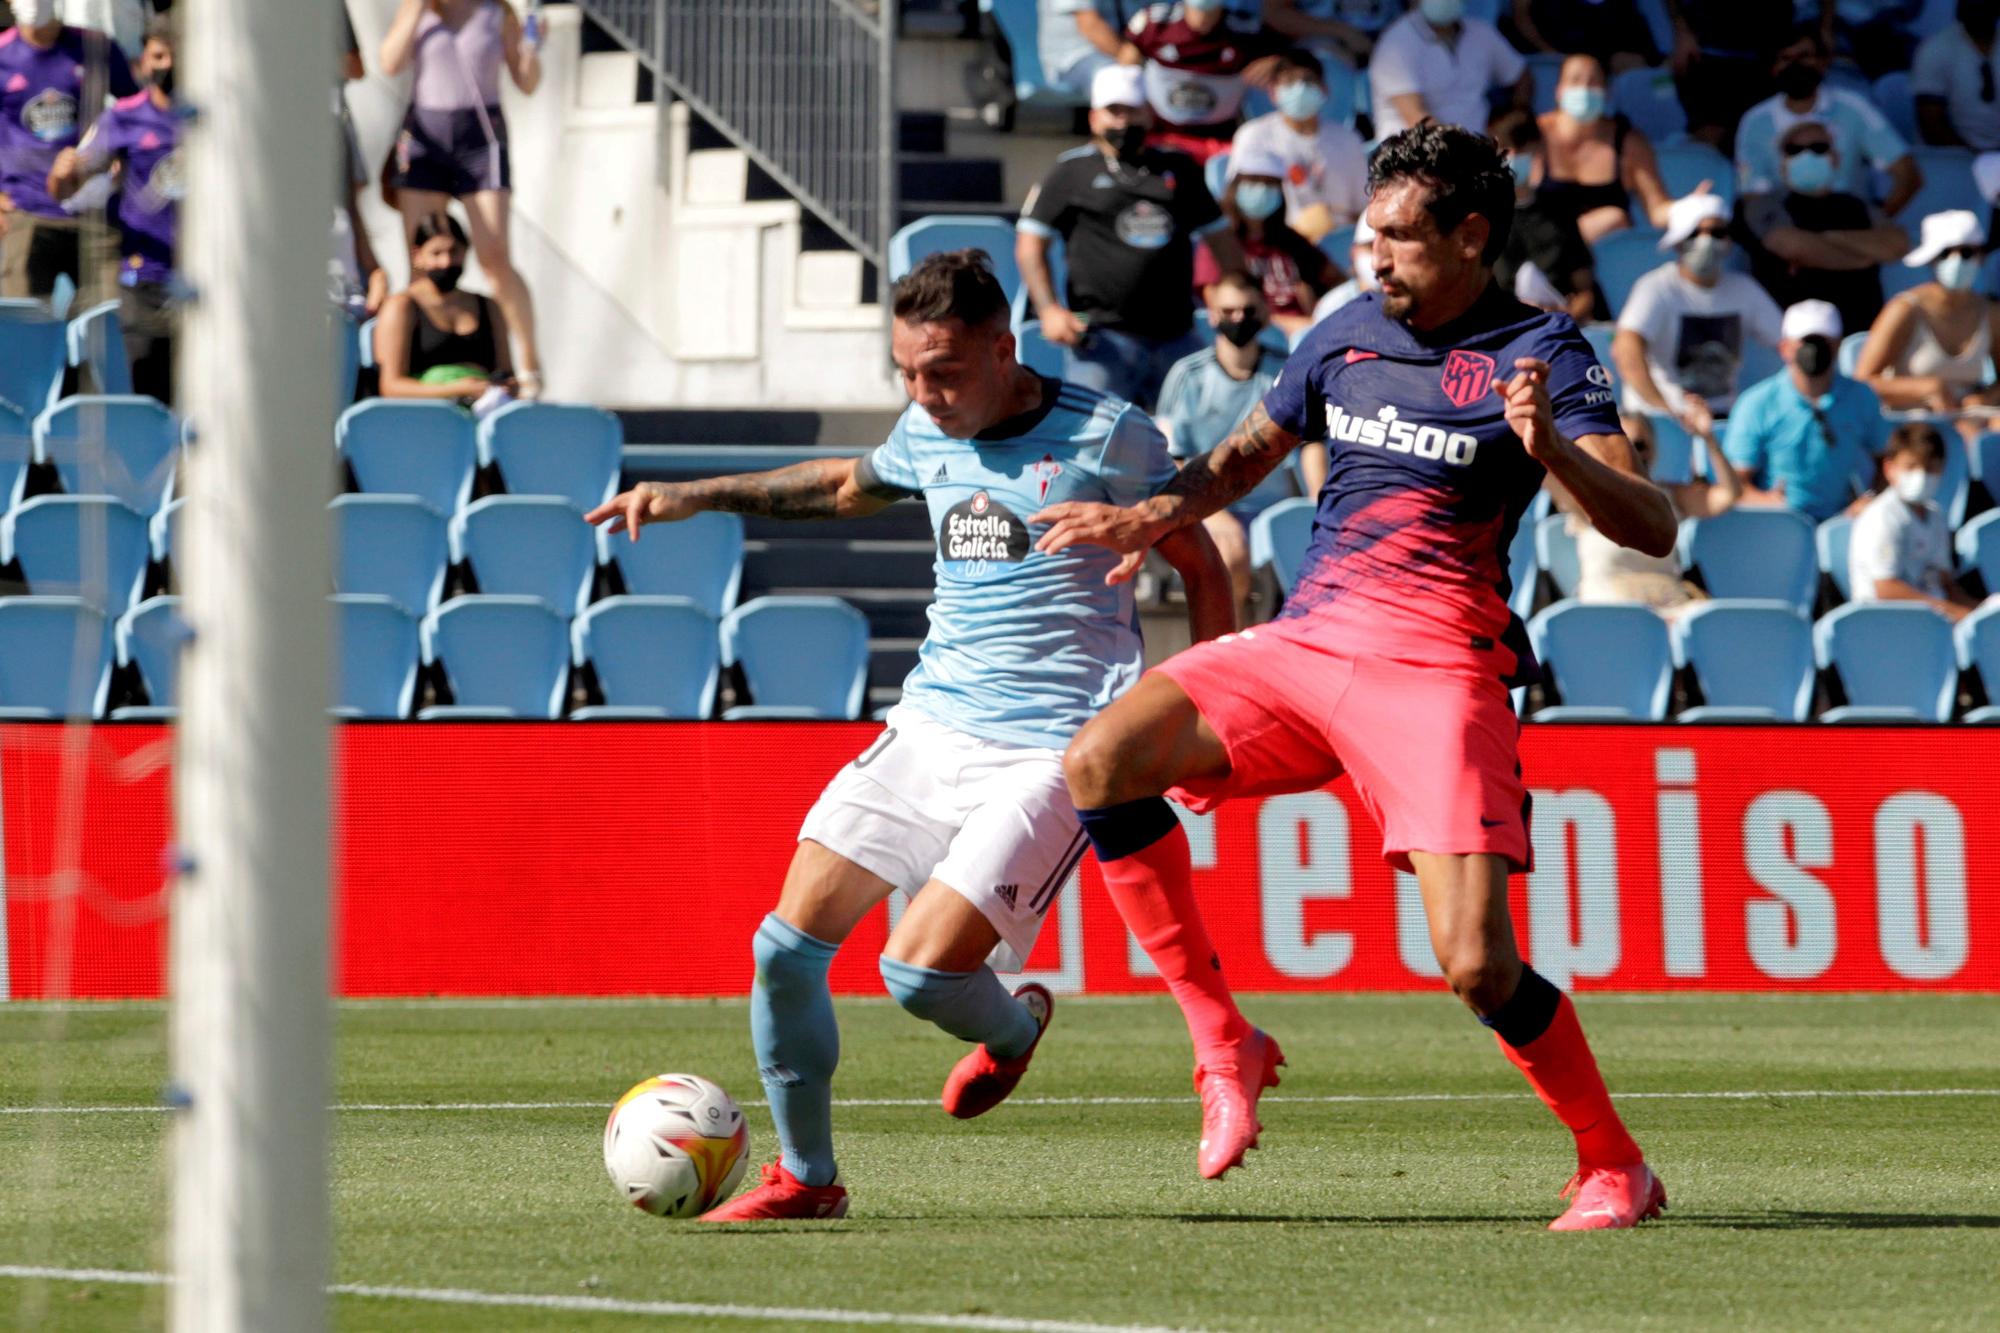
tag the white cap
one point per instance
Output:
(1363, 233)
(1688, 213)
(1117, 85)
(1810, 319)
(1946, 231)
(1986, 175)
(1256, 161)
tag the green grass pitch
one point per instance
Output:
(1361, 1211)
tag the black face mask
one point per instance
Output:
(1798, 80)
(163, 79)
(446, 279)
(1126, 142)
(1978, 20)
(1814, 357)
(1241, 332)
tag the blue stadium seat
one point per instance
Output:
(120, 446)
(1895, 662)
(700, 558)
(1753, 661)
(364, 343)
(1600, 334)
(1755, 553)
(1830, 545)
(1023, 313)
(928, 236)
(1686, 164)
(425, 449)
(1977, 640)
(377, 646)
(1019, 23)
(1037, 353)
(1985, 461)
(1622, 258)
(34, 350)
(504, 656)
(393, 546)
(531, 545)
(564, 449)
(150, 636)
(800, 656)
(1648, 98)
(1555, 552)
(1279, 537)
(1947, 185)
(1546, 67)
(1215, 174)
(95, 342)
(86, 546)
(654, 657)
(17, 450)
(1978, 546)
(1338, 245)
(52, 658)
(1897, 102)
(1850, 352)
(1610, 661)
(1521, 569)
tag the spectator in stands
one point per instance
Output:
(1807, 437)
(141, 136)
(1208, 394)
(1594, 163)
(1953, 79)
(54, 80)
(1343, 30)
(1861, 136)
(453, 143)
(1076, 38)
(1810, 240)
(1685, 325)
(1546, 262)
(1361, 273)
(1931, 348)
(360, 283)
(1325, 165)
(1294, 271)
(1899, 549)
(1200, 57)
(1874, 34)
(436, 340)
(1722, 56)
(1614, 35)
(1129, 215)
(1435, 62)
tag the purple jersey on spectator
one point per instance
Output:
(41, 95)
(148, 139)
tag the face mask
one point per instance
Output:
(1300, 99)
(1203, 6)
(1814, 357)
(1127, 142)
(163, 79)
(1258, 200)
(1523, 167)
(1703, 256)
(35, 13)
(1242, 332)
(1441, 13)
(1799, 81)
(1917, 486)
(1810, 173)
(446, 279)
(1958, 272)
(1581, 103)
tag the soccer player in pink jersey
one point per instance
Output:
(1444, 403)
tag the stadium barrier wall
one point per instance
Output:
(612, 859)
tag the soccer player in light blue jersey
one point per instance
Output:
(961, 801)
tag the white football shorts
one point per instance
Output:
(991, 821)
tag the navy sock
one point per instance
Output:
(1128, 827)
(797, 1043)
(1528, 1011)
(972, 1006)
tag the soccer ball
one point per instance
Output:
(676, 1145)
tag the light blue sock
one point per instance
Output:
(972, 1006)
(798, 1044)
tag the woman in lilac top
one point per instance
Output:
(454, 139)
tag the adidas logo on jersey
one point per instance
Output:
(1385, 431)
(941, 477)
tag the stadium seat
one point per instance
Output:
(87, 546)
(1622, 258)
(531, 545)
(346, 357)
(425, 449)
(393, 546)
(1555, 552)
(1019, 24)
(1984, 462)
(1850, 352)
(1023, 313)
(1546, 67)
(563, 449)
(1279, 537)
(654, 657)
(1830, 545)
(1338, 245)
(504, 656)
(1610, 660)
(1897, 102)
(377, 647)
(1977, 640)
(1036, 352)
(1648, 98)
(1752, 660)
(928, 236)
(800, 656)
(1600, 335)
(95, 342)
(1978, 546)
(17, 450)
(1686, 164)
(119, 446)
(34, 350)
(1947, 185)
(1521, 569)
(52, 658)
(1895, 662)
(1754, 553)
(700, 558)
(150, 636)
(364, 343)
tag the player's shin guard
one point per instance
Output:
(972, 1006)
(1538, 1031)
(798, 1044)
(1144, 857)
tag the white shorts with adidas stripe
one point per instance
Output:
(992, 821)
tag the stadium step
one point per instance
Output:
(795, 561)
(928, 178)
(893, 613)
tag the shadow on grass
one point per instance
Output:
(1774, 1220)
(1818, 1220)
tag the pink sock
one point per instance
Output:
(1153, 889)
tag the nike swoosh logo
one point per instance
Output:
(1356, 354)
(1601, 1212)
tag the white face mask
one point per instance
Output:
(1441, 13)
(1958, 272)
(1918, 486)
(34, 13)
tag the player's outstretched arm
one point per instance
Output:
(1599, 471)
(817, 488)
(1211, 601)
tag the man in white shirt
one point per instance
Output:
(1436, 62)
(1953, 77)
(1326, 168)
(1862, 136)
(1899, 549)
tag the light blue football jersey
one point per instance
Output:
(1024, 647)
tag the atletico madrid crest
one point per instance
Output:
(1468, 377)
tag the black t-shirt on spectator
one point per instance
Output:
(1552, 244)
(1856, 293)
(1130, 229)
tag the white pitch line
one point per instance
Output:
(612, 1305)
(1330, 1099)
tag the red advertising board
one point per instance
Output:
(607, 859)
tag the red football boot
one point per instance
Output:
(978, 1082)
(1229, 1088)
(1605, 1197)
(782, 1195)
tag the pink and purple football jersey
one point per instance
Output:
(46, 97)
(148, 140)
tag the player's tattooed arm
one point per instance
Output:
(1226, 473)
(816, 488)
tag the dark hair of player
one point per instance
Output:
(951, 284)
(1465, 173)
(1514, 129)
(1917, 439)
(1297, 58)
(433, 226)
